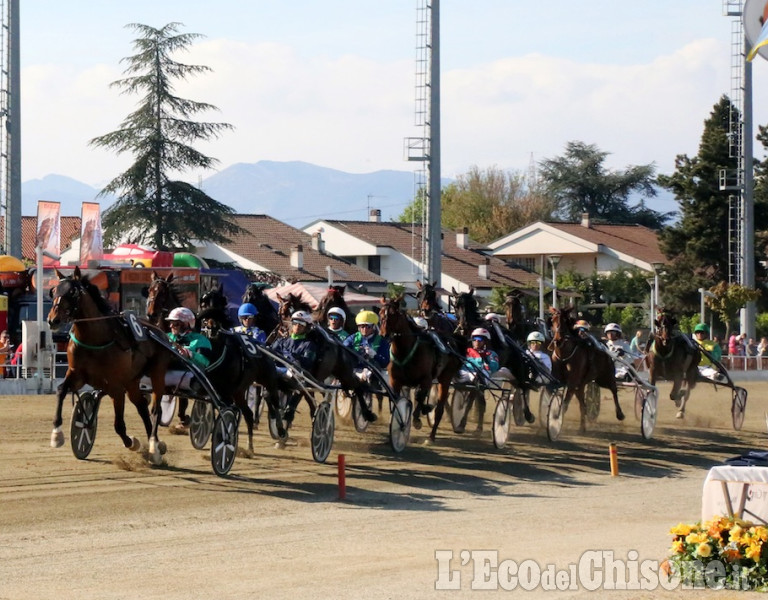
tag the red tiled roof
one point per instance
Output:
(459, 263)
(70, 230)
(268, 242)
(633, 240)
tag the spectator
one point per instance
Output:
(636, 346)
(751, 348)
(762, 347)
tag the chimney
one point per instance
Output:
(462, 238)
(585, 222)
(317, 242)
(484, 270)
(297, 257)
(374, 216)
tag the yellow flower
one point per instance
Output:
(760, 533)
(697, 537)
(681, 529)
(753, 551)
(704, 550)
(736, 533)
(678, 547)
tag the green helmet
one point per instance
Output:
(701, 327)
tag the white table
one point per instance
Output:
(733, 491)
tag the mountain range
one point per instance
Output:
(293, 192)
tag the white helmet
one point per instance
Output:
(535, 336)
(338, 311)
(183, 314)
(302, 316)
(480, 332)
(613, 327)
(495, 317)
(421, 322)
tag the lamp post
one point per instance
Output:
(653, 282)
(657, 268)
(554, 260)
(704, 294)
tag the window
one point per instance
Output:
(374, 264)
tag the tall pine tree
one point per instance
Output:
(152, 207)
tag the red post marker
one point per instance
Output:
(614, 459)
(342, 478)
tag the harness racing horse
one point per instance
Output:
(103, 352)
(577, 361)
(213, 314)
(335, 298)
(267, 320)
(511, 355)
(162, 297)
(674, 358)
(416, 362)
(429, 308)
(518, 323)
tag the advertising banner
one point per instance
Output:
(49, 229)
(91, 246)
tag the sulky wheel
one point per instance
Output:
(200, 423)
(650, 410)
(343, 404)
(82, 429)
(357, 415)
(323, 427)
(400, 424)
(555, 415)
(518, 408)
(738, 407)
(592, 399)
(167, 410)
(639, 398)
(431, 400)
(545, 398)
(502, 415)
(461, 402)
(224, 441)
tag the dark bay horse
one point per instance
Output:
(103, 352)
(576, 361)
(430, 309)
(162, 297)
(267, 319)
(416, 362)
(213, 315)
(335, 298)
(673, 358)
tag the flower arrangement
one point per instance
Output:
(722, 553)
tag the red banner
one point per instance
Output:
(91, 246)
(49, 229)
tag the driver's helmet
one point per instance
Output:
(535, 336)
(367, 316)
(480, 332)
(302, 316)
(183, 314)
(581, 324)
(701, 328)
(613, 327)
(247, 310)
(339, 312)
(493, 317)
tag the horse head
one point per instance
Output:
(426, 298)
(466, 307)
(665, 325)
(214, 299)
(562, 322)
(161, 298)
(392, 320)
(74, 297)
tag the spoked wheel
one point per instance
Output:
(361, 424)
(323, 428)
(343, 404)
(555, 415)
(167, 410)
(639, 397)
(200, 423)
(545, 399)
(592, 399)
(738, 407)
(82, 428)
(461, 401)
(650, 410)
(518, 408)
(400, 424)
(282, 400)
(224, 441)
(432, 401)
(502, 415)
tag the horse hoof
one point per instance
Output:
(135, 445)
(162, 447)
(57, 438)
(429, 442)
(620, 416)
(680, 414)
(156, 458)
(416, 423)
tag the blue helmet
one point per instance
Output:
(247, 310)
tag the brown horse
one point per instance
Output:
(430, 309)
(673, 358)
(576, 361)
(104, 352)
(335, 298)
(416, 361)
(267, 319)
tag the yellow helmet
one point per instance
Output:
(367, 316)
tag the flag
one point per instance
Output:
(755, 14)
(762, 40)
(91, 246)
(49, 229)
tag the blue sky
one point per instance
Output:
(331, 82)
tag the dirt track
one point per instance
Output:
(114, 527)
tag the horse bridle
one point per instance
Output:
(72, 294)
(156, 286)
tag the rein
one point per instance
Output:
(404, 361)
(88, 346)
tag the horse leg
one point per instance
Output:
(57, 435)
(240, 400)
(118, 402)
(619, 412)
(183, 418)
(582, 407)
(421, 396)
(439, 409)
(480, 397)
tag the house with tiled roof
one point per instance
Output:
(273, 246)
(394, 251)
(584, 247)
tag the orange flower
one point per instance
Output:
(730, 554)
(681, 529)
(678, 547)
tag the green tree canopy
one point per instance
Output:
(152, 207)
(580, 183)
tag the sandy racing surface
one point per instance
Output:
(114, 527)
